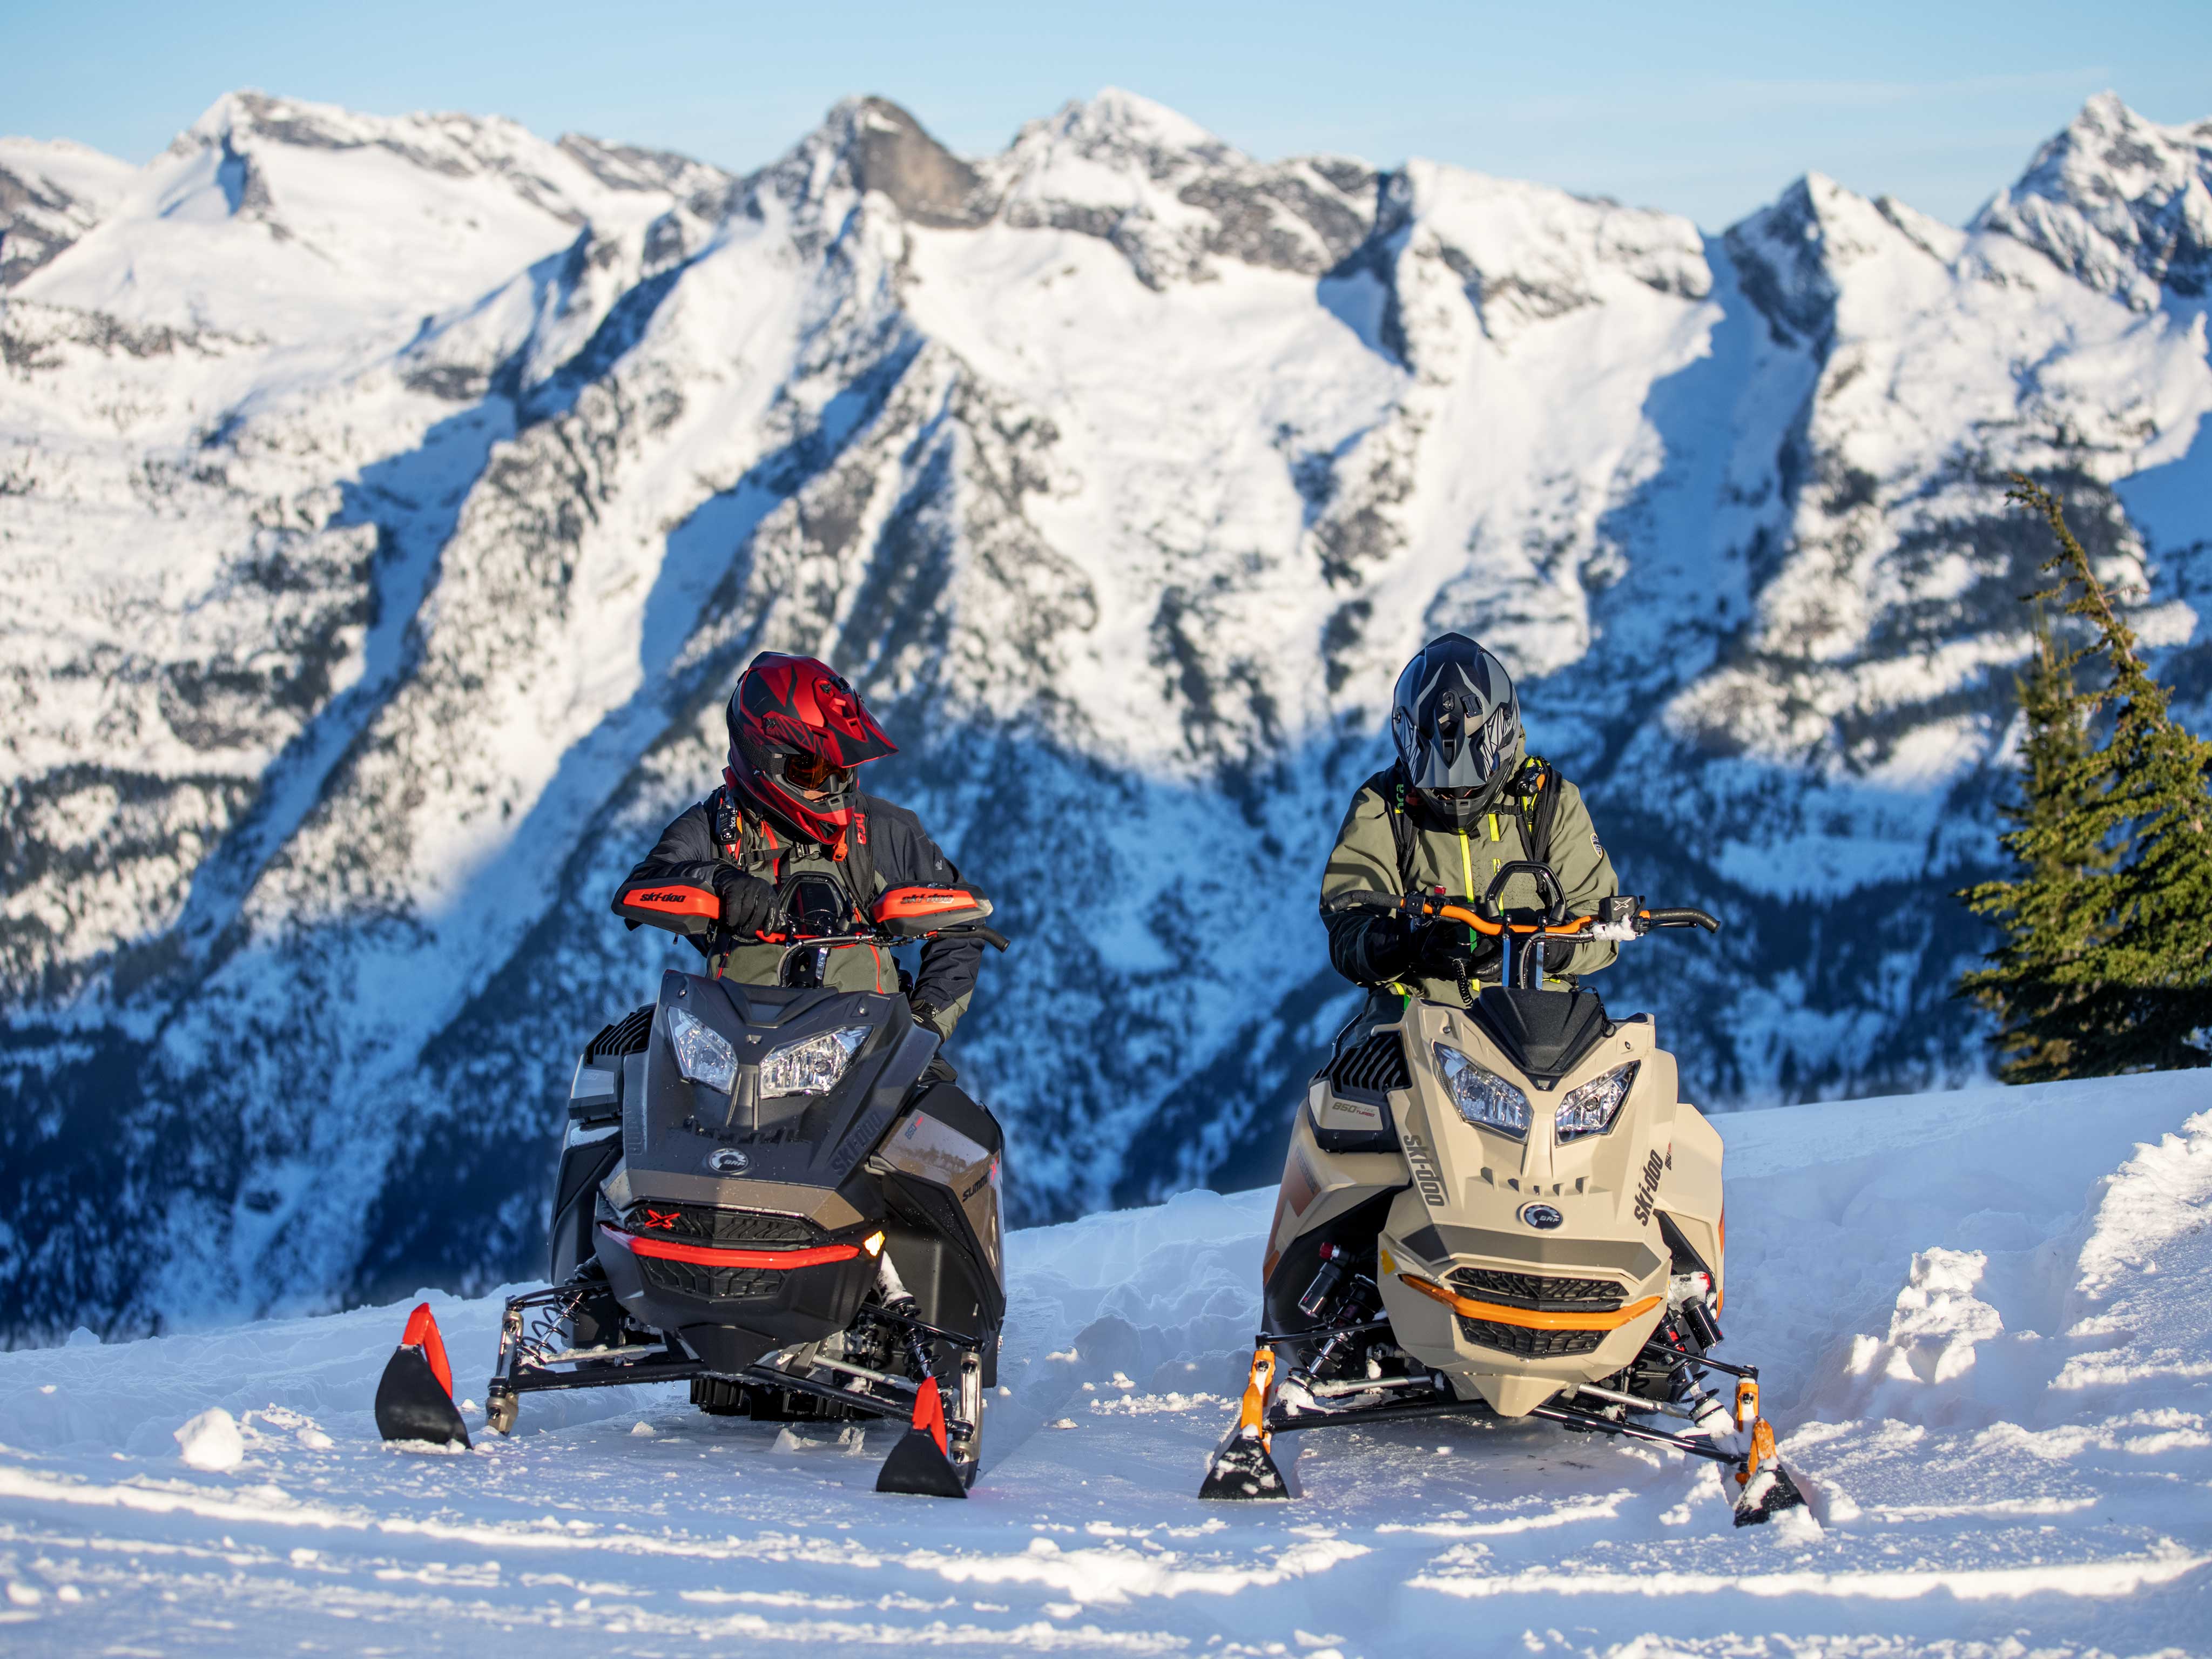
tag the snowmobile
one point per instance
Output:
(1501, 1208)
(765, 1191)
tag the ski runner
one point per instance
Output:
(787, 843)
(1463, 799)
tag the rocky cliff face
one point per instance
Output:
(385, 506)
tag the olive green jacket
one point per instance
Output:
(1463, 864)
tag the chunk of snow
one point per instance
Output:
(212, 1441)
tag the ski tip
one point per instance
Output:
(1768, 1493)
(414, 1403)
(422, 1333)
(1244, 1469)
(919, 1467)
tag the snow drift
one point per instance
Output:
(1984, 1319)
(387, 504)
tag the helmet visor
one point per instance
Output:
(811, 772)
(1459, 754)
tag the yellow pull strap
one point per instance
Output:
(1467, 873)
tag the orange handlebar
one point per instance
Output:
(1455, 913)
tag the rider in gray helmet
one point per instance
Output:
(1462, 799)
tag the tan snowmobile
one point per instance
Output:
(1501, 1208)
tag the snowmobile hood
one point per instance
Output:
(1545, 1033)
(685, 1138)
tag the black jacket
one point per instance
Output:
(678, 885)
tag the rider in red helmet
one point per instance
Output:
(788, 844)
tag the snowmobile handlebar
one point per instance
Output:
(1619, 919)
(792, 941)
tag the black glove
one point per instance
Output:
(1384, 950)
(1443, 950)
(748, 904)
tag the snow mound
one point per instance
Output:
(211, 1442)
(1983, 1322)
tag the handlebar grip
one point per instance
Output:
(1684, 916)
(1359, 899)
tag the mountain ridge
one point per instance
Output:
(390, 499)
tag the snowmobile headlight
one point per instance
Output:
(1483, 1098)
(1590, 1109)
(702, 1053)
(811, 1067)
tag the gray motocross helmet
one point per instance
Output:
(1456, 722)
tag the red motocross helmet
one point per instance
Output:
(795, 724)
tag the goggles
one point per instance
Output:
(812, 772)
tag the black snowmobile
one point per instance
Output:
(766, 1191)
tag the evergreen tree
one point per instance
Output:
(2107, 966)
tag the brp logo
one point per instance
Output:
(1542, 1217)
(729, 1161)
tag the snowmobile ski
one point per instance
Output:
(921, 1463)
(1765, 1488)
(1244, 1465)
(414, 1396)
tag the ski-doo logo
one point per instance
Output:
(1647, 1189)
(663, 1218)
(1425, 1176)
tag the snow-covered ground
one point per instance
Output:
(1985, 1320)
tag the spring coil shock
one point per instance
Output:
(546, 1336)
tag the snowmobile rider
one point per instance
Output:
(1463, 799)
(787, 844)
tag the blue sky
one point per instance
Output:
(1708, 114)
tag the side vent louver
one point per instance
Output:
(1372, 1066)
(627, 1036)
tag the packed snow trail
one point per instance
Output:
(1986, 1320)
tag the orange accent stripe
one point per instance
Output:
(1720, 1267)
(1529, 1318)
(1252, 1410)
(674, 901)
(422, 1333)
(708, 1255)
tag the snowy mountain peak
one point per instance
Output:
(51, 193)
(284, 220)
(1792, 256)
(2117, 201)
(1117, 126)
(1174, 198)
(873, 145)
